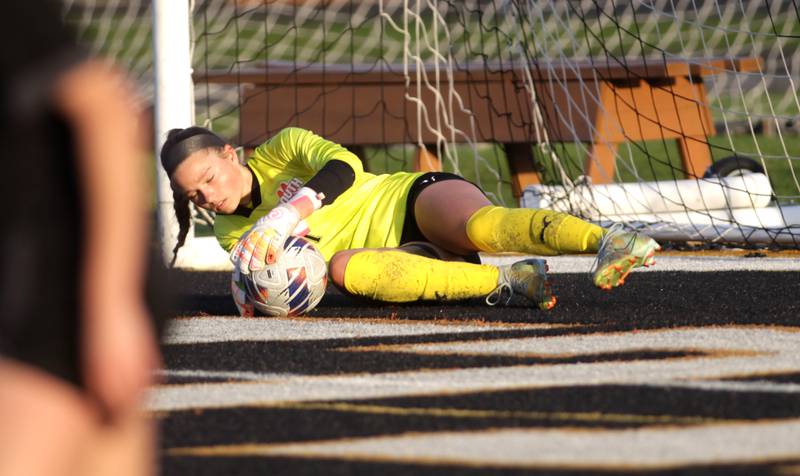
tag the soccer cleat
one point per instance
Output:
(620, 252)
(528, 278)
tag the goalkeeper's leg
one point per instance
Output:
(397, 276)
(526, 230)
(455, 215)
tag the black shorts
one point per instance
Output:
(411, 231)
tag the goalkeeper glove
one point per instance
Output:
(263, 243)
(240, 297)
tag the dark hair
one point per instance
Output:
(180, 144)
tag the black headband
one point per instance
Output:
(179, 151)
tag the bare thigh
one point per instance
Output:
(50, 428)
(443, 210)
(41, 415)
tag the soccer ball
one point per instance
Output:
(292, 285)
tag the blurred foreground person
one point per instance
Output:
(77, 342)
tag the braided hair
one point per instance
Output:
(180, 144)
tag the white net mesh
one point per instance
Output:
(121, 30)
(647, 94)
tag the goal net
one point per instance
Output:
(677, 117)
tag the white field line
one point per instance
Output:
(229, 329)
(732, 352)
(582, 263)
(593, 449)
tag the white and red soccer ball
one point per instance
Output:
(291, 286)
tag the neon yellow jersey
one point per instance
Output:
(367, 215)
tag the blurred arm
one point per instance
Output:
(97, 105)
(119, 349)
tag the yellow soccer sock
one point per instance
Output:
(395, 276)
(526, 230)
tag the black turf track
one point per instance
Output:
(655, 300)
(322, 467)
(650, 301)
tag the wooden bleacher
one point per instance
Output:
(612, 102)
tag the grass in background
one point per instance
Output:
(490, 170)
(659, 160)
(639, 161)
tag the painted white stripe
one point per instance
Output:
(750, 339)
(584, 448)
(228, 329)
(770, 351)
(227, 374)
(753, 386)
(582, 263)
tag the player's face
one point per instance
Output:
(211, 179)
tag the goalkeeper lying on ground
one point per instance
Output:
(398, 237)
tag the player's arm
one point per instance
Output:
(334, 173)
(263, 243)
(119, 347)
(303, 151)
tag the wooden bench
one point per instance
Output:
(603, 103)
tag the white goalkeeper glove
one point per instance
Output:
(263, 243)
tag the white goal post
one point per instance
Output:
(173, 100)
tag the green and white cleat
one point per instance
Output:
(528, 278)
(620, 252)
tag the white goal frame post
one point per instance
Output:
(174, 108)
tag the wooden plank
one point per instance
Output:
(645, 112)
(600, 162)
(380, 113)
(639, 99)
(543, 70)
(674, 109)
(695, 155)
(521, 164)
(425, 160)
